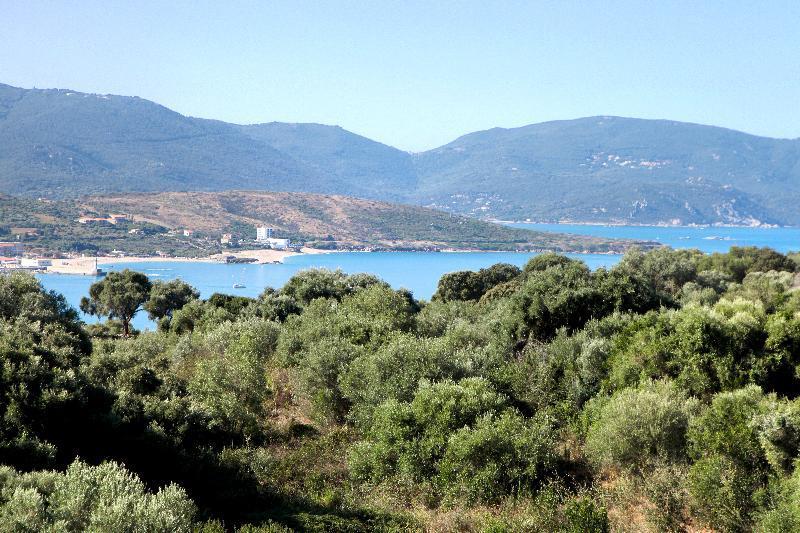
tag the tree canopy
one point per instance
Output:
(662, 394)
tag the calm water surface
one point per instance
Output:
(708, 239)
(417, 271)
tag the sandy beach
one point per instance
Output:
(86, 265)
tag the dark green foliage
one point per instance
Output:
(741, 260)
(779, 434)
(583, 514)
(118, 295)
(462, 434)
(319, 283)
(233, 305)
(660, 390)
(273, 305)
(496, 456)
(166, 297)
(665, 270)
(784, 516)
(41, 343)
(468, 285)
(730, 463)
(544, 261)
(558, 295)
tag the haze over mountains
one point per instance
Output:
(60, 143)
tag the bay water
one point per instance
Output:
(417, 271)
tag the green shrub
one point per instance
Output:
(322, 369)
(229, 378)
(779, 434)
(584, 515)
(636, 428)
(497, 456)
(784, 514)
(728, 428)
(731, 467)
(468, 285)
(741, 260)
(722, 492)
(311, 284)
(91, 498)
(462, 434)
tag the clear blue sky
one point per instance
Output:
(417, 74)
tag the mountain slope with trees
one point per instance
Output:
(616, 169)
(59, 143)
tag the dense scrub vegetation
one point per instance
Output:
(659, 395)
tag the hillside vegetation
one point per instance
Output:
(348, 221)
(659, 395)
(59, 143)
(319, 221)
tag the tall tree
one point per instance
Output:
(118, 295)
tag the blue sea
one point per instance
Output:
(418, 271)
(706, 238)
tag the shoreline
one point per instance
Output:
(86, 265)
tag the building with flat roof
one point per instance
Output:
(278, 244)
(32, 262)
(263, 233)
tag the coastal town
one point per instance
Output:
(265, 245)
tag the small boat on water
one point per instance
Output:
(238, 286)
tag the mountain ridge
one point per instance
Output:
(605, 169)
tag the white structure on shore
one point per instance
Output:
(27, 262)
(278, 244)
(263, 233)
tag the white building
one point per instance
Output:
(263, 233)
(29, 262)
(278, 244)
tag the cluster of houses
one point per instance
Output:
(265, 236)
(11, 258)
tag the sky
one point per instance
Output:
(418, 74)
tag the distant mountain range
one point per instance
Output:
(61, 144)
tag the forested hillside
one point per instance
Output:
(616, 169)
(659, 395)
(59, 143)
